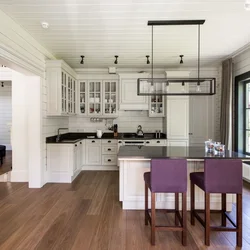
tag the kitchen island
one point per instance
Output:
(134, 161)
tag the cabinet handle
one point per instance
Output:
(93, 141)
(109, 160)
(80, 142)
(75, 145)
(190, 133)
(120, 142)
(109, 141)
(158, 141)
(147, 142)
(109, 149)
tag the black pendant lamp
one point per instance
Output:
(187, 86)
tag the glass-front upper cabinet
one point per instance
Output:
(82, 97)
(156, 102)
(64, 93)
(110, 97)
(95, 98)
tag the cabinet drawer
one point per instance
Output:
(109, 141)
(93, 141)
(110, 150)
(158, 142)
(109, 160)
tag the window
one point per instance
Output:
(242, 114)
(246, 117)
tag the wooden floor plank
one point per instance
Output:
(87, 215)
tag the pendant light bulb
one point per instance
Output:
(183, 88)
(198, 88)
(167, 87)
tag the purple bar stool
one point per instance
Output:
(222, 176)
(167, 176)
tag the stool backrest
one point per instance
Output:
(223, 176)
(168, 175)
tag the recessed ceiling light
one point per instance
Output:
(45, 25)
(247, 5)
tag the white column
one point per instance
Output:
(26, 130)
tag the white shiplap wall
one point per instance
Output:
(241, 63)
(5, 115)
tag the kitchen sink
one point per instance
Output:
(70, 140)
(131, 135)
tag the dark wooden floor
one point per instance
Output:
(7, 163)
(87, 215)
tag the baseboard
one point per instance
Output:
(19, 176)
(101, 168)
(59, 178)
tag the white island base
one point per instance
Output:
(131, 186)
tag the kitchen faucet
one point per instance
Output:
(139, 131)
(58, 134)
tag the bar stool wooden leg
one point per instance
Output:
(192, 207)
(223, 208)
(152, 218)
(239, 220)
(146, 204)
(207, 219)
(176, 208)
(184, 219)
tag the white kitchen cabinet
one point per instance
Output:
(201, 119)
(110, 97)
(246, 172)
(82, 97)
(98, 98)
(93, 152)
(61, 88)
(177, 117)
(83, 152)
(63, 162)
(156, 106)
(129, 100)
(156, 142)
(175, 143)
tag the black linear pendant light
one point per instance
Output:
(168, 86)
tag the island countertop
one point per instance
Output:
(173, 152)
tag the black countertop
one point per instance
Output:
(121, 136)
(150, 152)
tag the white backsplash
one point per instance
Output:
(127, 122)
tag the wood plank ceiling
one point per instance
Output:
(100, 29)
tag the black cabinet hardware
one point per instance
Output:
(147, 142)
(80, 142)
(109, 149)
(120, 142)
(93, 141)
(75, 145)
(109, 160)
(109, 141)
(158, 141)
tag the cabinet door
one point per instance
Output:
(82, 108)
(64, 92)
(201, 120)
(110, 98)
(93, 154)
(83, 153)
(177, 117)
(94, 98)
(129, 100)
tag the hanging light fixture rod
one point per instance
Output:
(176, 22)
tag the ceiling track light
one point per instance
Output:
(116, 60)
(181, 61)
(82, 62)
(148, 62)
